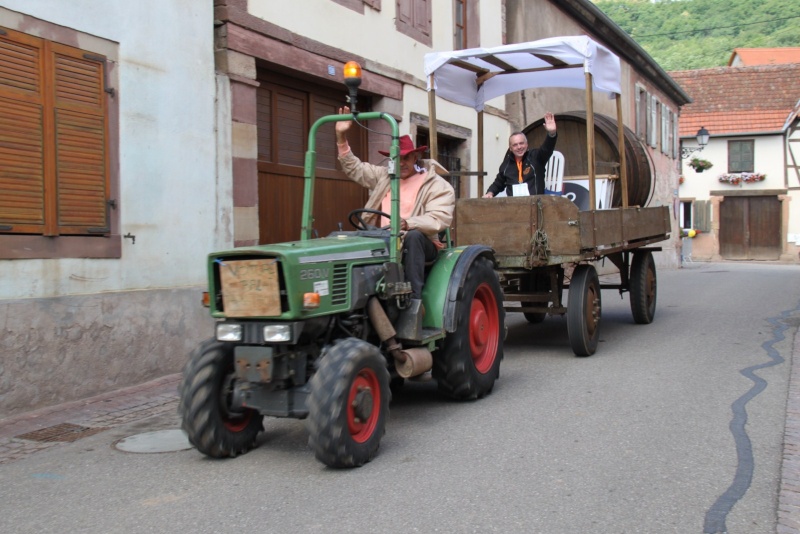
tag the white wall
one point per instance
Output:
(373, 35)
(168, 196)
(768, 160)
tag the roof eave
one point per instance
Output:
(598, 23)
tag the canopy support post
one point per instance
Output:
(590, 157)
(623, 167)
(432, 134)
(480, 154)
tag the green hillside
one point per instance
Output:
(696, 34)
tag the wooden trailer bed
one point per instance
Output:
(545, 230)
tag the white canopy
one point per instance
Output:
(472, 77)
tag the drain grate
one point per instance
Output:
(62, 432)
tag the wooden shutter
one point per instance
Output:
(422, 22)
(702, 215)
(80, 141)
(653, 122)
(22, 153)
(405, 12)
(53, 138)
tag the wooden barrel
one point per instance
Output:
(572, 143)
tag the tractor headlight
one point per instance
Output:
(229, 332)
(277, 333)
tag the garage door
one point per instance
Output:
(287, 108)
(750, 228)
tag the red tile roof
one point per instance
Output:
(730, 100)
(764, 56)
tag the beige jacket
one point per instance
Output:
(436, 200)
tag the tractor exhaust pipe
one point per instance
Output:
(418, 360)
(411, 362)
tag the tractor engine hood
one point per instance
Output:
(290, 281)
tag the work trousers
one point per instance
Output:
(417, 249)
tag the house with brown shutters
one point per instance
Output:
(144, 136)
(109, 194)
(747, 205)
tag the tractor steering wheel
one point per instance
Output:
(358, 222)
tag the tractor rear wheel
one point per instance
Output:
(469, 362)
(349, 404)
(210, 423)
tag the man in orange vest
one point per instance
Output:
(525, 166)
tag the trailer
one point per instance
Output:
(543, 244)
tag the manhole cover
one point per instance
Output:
(62, 432)
(158, 441)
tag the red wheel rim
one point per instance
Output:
(238, 423)
(232, 421)
(484, 328)
(363, 405)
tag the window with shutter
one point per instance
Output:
(53, 139)
(675, 139)
(741, 156)
(653, 124)
(57, 124)
(414, 19)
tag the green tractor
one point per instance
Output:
(313, 329)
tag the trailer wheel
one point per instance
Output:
(349, 404)
(583, 311)
(533, 317)
(470, 359)
(210, 423)
(643, 287)
(539, 284)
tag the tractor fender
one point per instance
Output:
(445, 282)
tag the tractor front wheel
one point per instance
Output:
(469, 362)
(207, 417)
(349, 404)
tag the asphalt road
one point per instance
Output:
(668, 428)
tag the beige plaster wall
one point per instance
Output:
(63, 349)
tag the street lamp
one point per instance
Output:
(702, 141)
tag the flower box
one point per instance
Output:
(737, 178)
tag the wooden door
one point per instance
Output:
(286, 112)
(750, 228)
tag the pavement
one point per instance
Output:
(26, 434)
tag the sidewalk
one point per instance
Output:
(25, 434)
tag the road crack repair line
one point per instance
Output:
(718, 513)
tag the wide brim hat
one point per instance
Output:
(406, 147)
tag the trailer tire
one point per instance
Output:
(539, 284)
(205, 393)
(469, 362)
(583, 310)
(348, 405)
(533, 317)
(644, 286)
